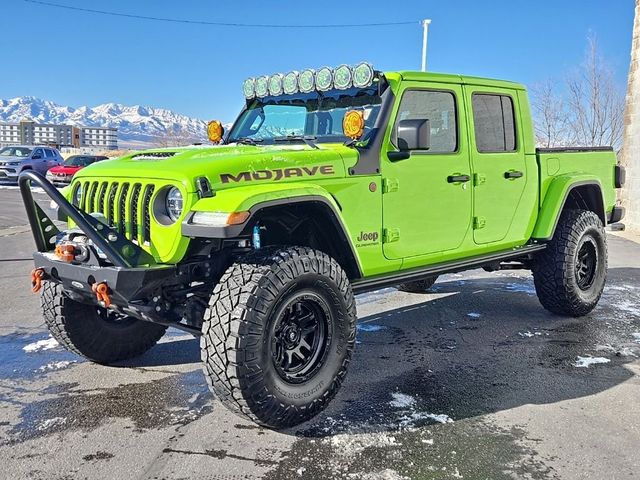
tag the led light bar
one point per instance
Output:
(343, 77)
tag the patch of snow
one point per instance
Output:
(386, 474)
(428, 441)
(456, 473)
(585, 362)
(636, 336)
(410, 420)
(52, 422)
(348, 445)
(369, 327)
(41, 345)
(55, 366)
(300, 471)
(401, 400)
(473, 315)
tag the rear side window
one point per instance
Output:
(48, 153)
(437, 107)
(494, 123)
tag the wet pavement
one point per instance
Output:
(474, 380)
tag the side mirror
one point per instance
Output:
(414, 135)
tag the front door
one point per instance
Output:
(498, 160)
(427, 197)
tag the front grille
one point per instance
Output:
(126, 206)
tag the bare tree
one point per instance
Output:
(550, 116)
(175, 137)
(595, 102)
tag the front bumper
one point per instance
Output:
(57, 180)
(8, 173)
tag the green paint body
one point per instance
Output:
(420, 218)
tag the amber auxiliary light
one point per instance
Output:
(353, 124)
(215, 130)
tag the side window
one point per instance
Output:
(494, 123)
(38, 153)
(437, 107)
(48, 153)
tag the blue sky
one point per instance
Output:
(76, 58)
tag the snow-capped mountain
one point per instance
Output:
(137, 125)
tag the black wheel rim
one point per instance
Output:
(300, 337)
(586, 264)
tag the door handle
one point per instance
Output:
(458, 178)
(512, 174)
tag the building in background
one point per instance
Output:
(28, 132)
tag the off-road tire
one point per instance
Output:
(239, 330)
(81, 329)
(556, 271)
(419, 286)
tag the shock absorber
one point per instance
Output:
(255, 236)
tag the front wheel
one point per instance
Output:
(569, 275)
(278, 335)
(93, 332)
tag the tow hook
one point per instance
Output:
(102, 293)
(37, 274)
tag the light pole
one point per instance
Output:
(425, 33)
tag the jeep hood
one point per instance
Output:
(226, 166)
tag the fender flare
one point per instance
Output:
(555, 199)
(255, 200)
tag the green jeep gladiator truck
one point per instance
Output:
(329, 183)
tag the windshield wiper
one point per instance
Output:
(247, 140)
(308, 139)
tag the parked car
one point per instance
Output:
(62, 175)
(17, 158)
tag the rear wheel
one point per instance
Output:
(278, 335)
(94, 332)
(419, 286)
(570, 274)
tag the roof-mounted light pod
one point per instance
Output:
(275, 84)
(363, 75)
(290, 83)
(343, 77)
(307, 81)
(262, 86)
(324, 79)
(249, 88)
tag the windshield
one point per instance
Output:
(15, 152)
(77, 161)
(316, 114)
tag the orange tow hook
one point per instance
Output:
(102, 293)
(37, 274)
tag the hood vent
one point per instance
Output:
(153, 155)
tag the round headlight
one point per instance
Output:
(249, 88)
(342, 77)
(363, 75)
(173, 204)
(275, 84)
(77, 195)
(306, 81)
(324, 79)
(262, 86)
(290, 83)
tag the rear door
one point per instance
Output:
(498, 159)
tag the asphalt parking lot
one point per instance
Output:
(474, 381)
